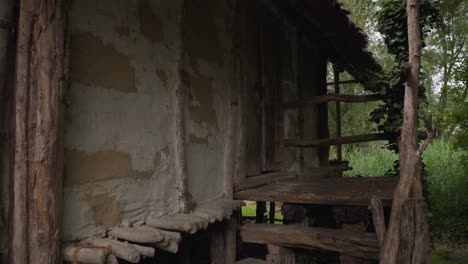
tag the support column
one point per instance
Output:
(36, 183)
(280, 255)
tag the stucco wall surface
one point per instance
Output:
(119, 126)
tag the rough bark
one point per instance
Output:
(38, 113)
(409, 154)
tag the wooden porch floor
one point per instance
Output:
(355, 191)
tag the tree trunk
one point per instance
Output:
(410, 156)
(36, 182)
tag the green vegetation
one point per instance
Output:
(446, 183)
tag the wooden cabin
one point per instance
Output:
(128, 126)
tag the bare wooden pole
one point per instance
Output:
(410, 156)
(336, 72)
(180, 162)
(38, 113)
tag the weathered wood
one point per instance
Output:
(421, 247)
(316, 143)
(409, 154)
(37, 142)
(112, 259)
(280, 255)
(378, 219)
(168, 235)
(83, 254)
(260, 211)
(217, 244)
(336, 191)
(231, 241)
(136, 235)
(345, 259)
(143, 251)
(332, 97)
(363, 245)
(180, 160)
(343, 82)
(405, 250)
(271, 213)
(119, 249)
(326, 171)
(262, 179)
(336, 76)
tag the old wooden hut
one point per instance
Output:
(125, 124)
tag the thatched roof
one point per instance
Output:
(347, 43)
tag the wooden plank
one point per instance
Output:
(314, 143)
(363, 245)
(343, 82)
(266, 178)
(332, 97)
(334, 191)
(378, 219)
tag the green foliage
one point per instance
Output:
(446, 184)
(392, 24)
(374, 160)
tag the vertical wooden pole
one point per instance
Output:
(271, 213)
(180, 161)
(38, 113)
(336, 76)
(231, 239)
(260, 212)
(410, 156)
(280, 255)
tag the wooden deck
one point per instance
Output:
(334, 191)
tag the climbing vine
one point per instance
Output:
(392, 24)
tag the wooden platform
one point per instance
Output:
(334, 191)
(356, 244)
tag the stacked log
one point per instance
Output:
(162, 233)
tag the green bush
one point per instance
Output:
(446, 184)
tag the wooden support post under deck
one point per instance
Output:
(36, 182)
(280, 255)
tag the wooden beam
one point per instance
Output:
(332, 97)
(36, 182)
(262, 179)
(343, 82)
(314, 143)
(363, 245)
(330, 191)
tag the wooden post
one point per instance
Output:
(36, 184)
(336, 72)
(231, 241)
(260, 212)
(410, 155)
(280, 255)
(271, 213)
(7, 58)
(180, 160)
(217, 243)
